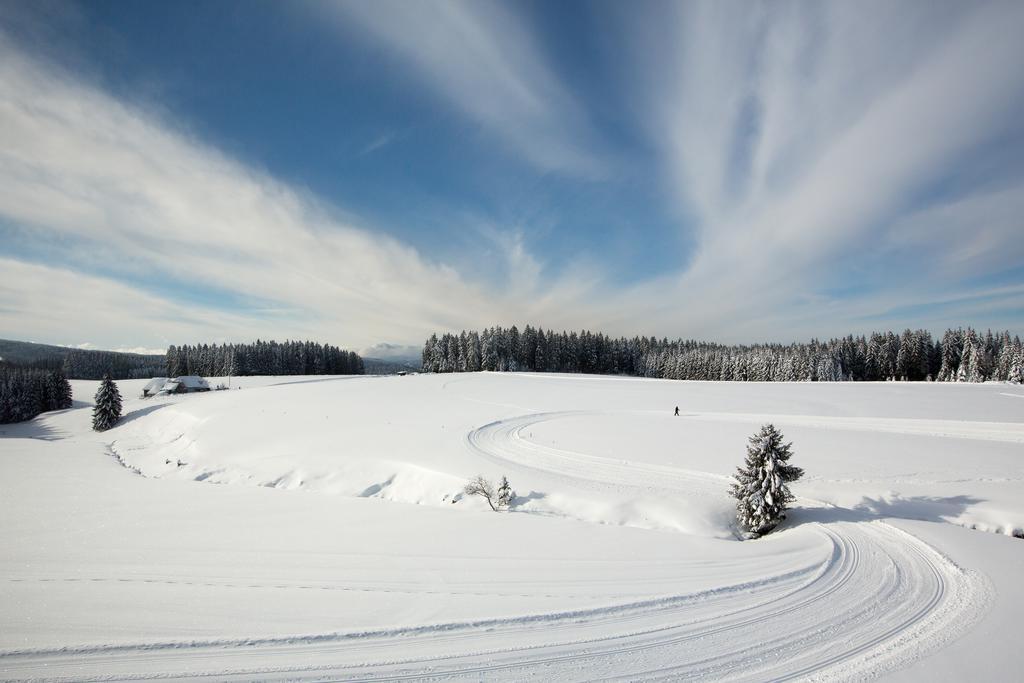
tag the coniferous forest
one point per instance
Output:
(81, 364)
(262, 358)
(26, 392)
(961, 355)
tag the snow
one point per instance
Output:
(337, 542)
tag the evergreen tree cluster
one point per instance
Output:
(261, 358)
(962, 355)
(26, 392)
(83, 364)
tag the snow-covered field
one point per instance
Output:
(313, 528)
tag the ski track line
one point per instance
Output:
(503, 442)
(314, 586)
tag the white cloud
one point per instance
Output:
(44, 302)
(110, 187)
(109, 184)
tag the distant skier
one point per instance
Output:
(677, 411)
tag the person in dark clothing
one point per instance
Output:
(677, 411)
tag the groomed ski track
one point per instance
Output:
(878, 599)
(866, 598)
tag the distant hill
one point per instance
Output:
(383, 366)
(81, 363)
(25, 353)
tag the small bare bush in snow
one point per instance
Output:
(497, 500)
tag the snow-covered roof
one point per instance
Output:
(155, 383)
(192, 382)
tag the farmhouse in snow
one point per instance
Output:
(153, 386)
(162, 386)
(187, 384)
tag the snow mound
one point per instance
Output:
(183, 441)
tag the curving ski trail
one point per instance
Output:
(877, 599)
(505, 441)
(921, 591)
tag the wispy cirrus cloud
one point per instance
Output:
(482, 59)
(803, 137)
(379, 142)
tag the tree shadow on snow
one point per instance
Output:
(923, 508)
(141, 412)
(523, 500)
(31, 429)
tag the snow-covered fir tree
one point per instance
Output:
(761, 487)
(970, 362)
(107, 411)
(505, 493)
(1016, 370)
(1004, 359)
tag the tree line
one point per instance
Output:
(961, 355)
(26, 392)
(262, 358)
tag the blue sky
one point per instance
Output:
(367, 172)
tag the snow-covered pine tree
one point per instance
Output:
(60, 391)
(1005, 358)
(505, 493)
(108, 406)
(760, 488)
(970, 364)
(1016, 373)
